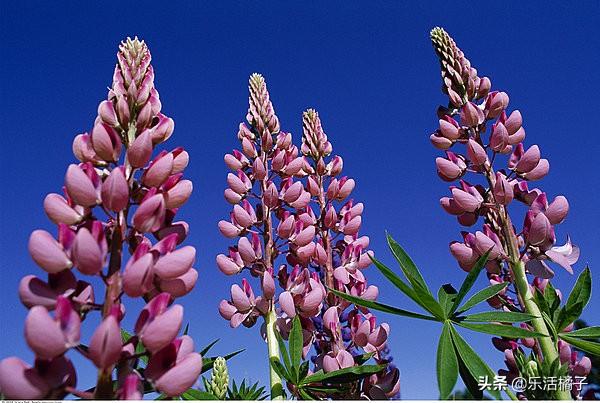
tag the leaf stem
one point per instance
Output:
(273, 347)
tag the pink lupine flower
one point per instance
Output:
(291, 211)
(488, 131)
(113, 179)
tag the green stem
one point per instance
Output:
(547, 345)
(273, 346)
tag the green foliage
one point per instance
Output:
(246, 392)
(319, 385)
(454, 355)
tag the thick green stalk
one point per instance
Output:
(273, 346)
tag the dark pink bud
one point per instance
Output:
(176, 263)
(131, 389)
(80, 187)
(159, 170)
(87, 255)
(465, 201)
(448, 170)
(484, 87)
(59, 210)
(346, 187)
(105, 344)
(465, 256)
(471, 115)
(334, 168)
(476, 153)
(557, 210)
(440, 142)
(180, 286)
(150, 214)
(539, 171)
(140, 150)
(514, 122)
(163, 129)
(503, 191)
(496, 103)
(82, 148)
(106, 142)
(115, 190)
(529, 160)
(179, 194)
(449, 129)
(138, 276)
(540, 230)
(47, 252)
(499, 137)
(484, 243)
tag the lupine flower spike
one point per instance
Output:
(294, 225)
(116, 201)
(477, 119)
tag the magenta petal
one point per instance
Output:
(226, 309)
(138, 276)
(105, 344)
(19, 381)
(163, 329)
(86, 252)
(139, 152)
(80, 187)
(330, 364)
(286, 302)
(59, 211)
(345, 359)
(158, 171)
(312, 300)
(227, 266)
(560, 259)
(529, 160)
(47, 252)
(33, 291)
(179, 194)
(181, 377)
(180, 286)
(43, 334)
(176, 263)
(240, 299)
(115, 191)
(557, 210)
(540, 230)
(465, 201)
(150, 214)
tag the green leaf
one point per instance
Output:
(473, 363)
(482, 295)
(541, 302)
(343, 375)
(395, 279)
(551, 298)
(582, 290)
(583, 345)
(187, 328)
(283, 351)
(498, 316)
(303, 371)
(592, 332)
(568, 314)
(279, 369)
(380, 307)
(407, 265)
(447, 363)
(296, 343)
(125, 335)
(446, 296)
(195, 394)
(500, 330)
(361, 359)
(204, 351)
(469, 281)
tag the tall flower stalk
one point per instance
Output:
(294, 223)
(477, 119)
(116, 201)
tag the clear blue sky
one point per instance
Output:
(368, 68)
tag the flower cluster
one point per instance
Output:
(478, 119)
(116, 176)
(294, 225)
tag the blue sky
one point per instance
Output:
(367, 67)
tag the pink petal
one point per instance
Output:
(47, 252)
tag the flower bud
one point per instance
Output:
(106, 142)
(87, 255)
(471, 115)
(496, 103)
(59, 211)
(176, 263)
(163, 129)
(80, 187)
(179, 194)
(159, 170)
(47, 252)
(115, 190)
(539, 171)
(20, 381)
(529, 160)
(140, 150)
(105, 344)
(150, 214)
(503, 191)
(476, 153)
(180, 286)
(499, 137)
(107, 113)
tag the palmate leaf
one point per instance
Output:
(407, 265)
(500, 330)
(296, 343)
(205, 350)
(568, 314)
(583, 345)
(469, 281)
(446, 296)
(195, 394)
(592, 332)
(473, 363)
(447, 363)
(482, 295)
(395, 279)
(381, 307)
(498, 316)
(582, 290)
